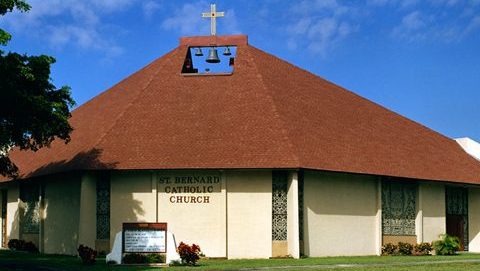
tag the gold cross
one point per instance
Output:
(213, 14)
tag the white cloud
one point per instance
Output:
(309, 7)
(325, 33)
(447, 21)
(412, 27)
(112, 5)
(188, 20)
(150, 7)
(300, 27)
(69, 22)
(401, 3)
(378, 2)
(230, 23)
(449, 3)
(322, 25)
(409, 3)
(413, 21)
(473, 25)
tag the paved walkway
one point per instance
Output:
(335, 266)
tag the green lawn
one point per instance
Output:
(24, 261)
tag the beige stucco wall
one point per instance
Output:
(340, 214)
(293, 238)
(249, 201)
(474, 219)
(62, 208)
(202, 223)
(13, 221)
(88, 197)
(432, 197)
(378, 218)
(132, 199)
(1, 218)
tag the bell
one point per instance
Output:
(198, 52)
(227, 52)
(213, 56)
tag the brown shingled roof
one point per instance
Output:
(267, 114)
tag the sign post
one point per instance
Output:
(144, 238)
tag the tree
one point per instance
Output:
(33, 112)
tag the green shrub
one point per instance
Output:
(447, 245)
(405, 249)
(21, 245)
(189, 254)
(175, 263)
(15, 244)
(156, 258)
(87, 254)
(389, 249)
(131, 258)
(422, 249)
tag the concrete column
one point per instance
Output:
(41, 214)
(155, 193)
(474, 219)
(378, 219)
(13, 215)
(87, 229)
(293, 234)
(419, 217)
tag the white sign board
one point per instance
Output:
(144, 241)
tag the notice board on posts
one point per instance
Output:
(144, 237)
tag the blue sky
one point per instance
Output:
(418, 58)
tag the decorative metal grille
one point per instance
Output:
(279, 205)
(30, 219)
(103, 207)
(398, 208)
(457, 204)
(300, 204)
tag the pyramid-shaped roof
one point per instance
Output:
(266, 114)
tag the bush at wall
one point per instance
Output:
(405, 249)
(87, 254)
(156, 258)
(422, 249)
(132, 258)
(14, 244)
(135, 258)
(189, 254)
(21, 245)
(389, 249)
(447, 245)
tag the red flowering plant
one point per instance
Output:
(87, 254)
(189, 254)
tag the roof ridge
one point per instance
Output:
(275, 111)
(101, 138)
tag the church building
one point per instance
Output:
(261, 159)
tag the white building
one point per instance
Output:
(263, 160)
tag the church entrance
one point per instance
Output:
(457, 214)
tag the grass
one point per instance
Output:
(23, 261)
